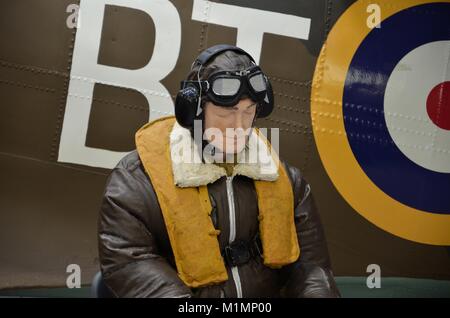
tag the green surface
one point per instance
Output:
(393, 287)
(350, 287)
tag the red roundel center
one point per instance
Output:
(438, 105)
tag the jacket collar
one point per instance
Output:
(189, 170)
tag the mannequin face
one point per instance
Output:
(238, 119)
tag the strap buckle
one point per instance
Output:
(241, 252)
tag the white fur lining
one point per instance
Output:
(189, 170)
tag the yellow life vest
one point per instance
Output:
(186, 213)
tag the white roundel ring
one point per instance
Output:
(408, 121)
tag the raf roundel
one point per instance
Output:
(380, 107)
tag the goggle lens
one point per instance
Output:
(226, 86)
(258, 83)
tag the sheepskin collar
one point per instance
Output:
(194, 172)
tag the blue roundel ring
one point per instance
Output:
(348, 115)
(379, 156)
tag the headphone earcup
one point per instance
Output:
(186, 106)
(268, 103)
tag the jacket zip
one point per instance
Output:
(232, 216)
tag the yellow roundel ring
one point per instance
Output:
(331, 139)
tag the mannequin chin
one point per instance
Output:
(230, 145)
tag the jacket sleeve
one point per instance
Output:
(311, 275)
(129, 258)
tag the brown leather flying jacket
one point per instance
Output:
(136, 256)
